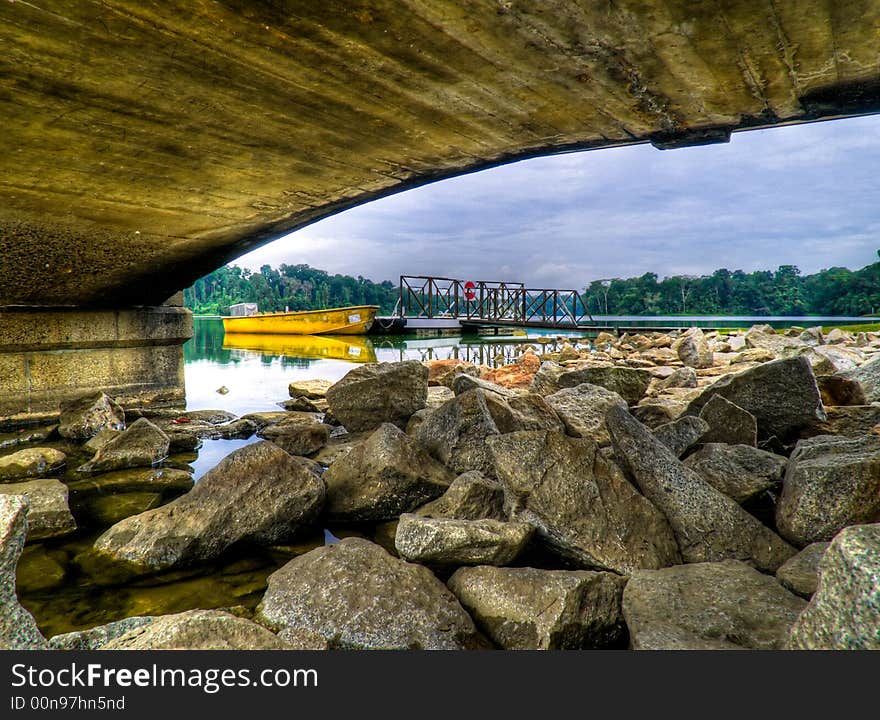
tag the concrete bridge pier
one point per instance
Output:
(49, 354)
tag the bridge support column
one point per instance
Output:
(51, 354)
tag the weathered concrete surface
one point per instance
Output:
(145, 144)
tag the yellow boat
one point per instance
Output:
(354, 320)
(351, 348)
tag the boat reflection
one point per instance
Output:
(353, 348)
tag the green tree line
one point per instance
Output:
(293, 287)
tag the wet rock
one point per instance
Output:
(782, 395)
(24, 436)
(728, 423)
(800, 574)
(851, 421)
(48, 514)
(707, 606)
(257, 494)
(30, 463)
(102, 437)
(40, 568)
(582, 410)
(240, 429)
(530, 609)
(84, 417)
(456, 432)
(377, 393)
(310, 389)
(262, 420)
(359, 597)
(97, 637)
(708, 525)
(141, 445)
(18, 629)
(839, 390)
(868, 376)
(443, 372)
(381, 478)
(222, 390)
(684, 377)
(844, 613)
(580, 504)
(693, 349)
(181, 441)
(682, 434)
(297, 438)
(831, 482)
(448, 541)
(198, 630)
(739, 471)
(303, 404)
(472, 496)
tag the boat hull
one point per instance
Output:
(352, 348)
(335, 321)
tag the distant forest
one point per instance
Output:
(836, 291)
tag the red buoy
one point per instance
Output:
(469, 290)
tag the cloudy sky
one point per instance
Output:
(806, 195)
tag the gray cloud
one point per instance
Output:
(805, 195)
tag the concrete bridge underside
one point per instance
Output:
(145, 144)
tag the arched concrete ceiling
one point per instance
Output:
(145, 143)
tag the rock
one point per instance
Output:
(630, 383)
(415, 422)
(103, 436)
(303, 404)
(830, 359)
(339, 445)
(684, 377)
(48, 514)
(442, 372)
(359, 597)
(524, 412)
(263, 420)
(456, 432)
(604, 338)
(24, 436)
(580, 504)
(546, 380)
(471, 496)
(582, 410)
(198, 630)
(728, 423)
(222, 390)
(141, 445)
(812, 336)
(237, 429)
(757, 355)
(708, 525)
(257, 494)
(530, 609)
(782, 395)
(377, 393)
(29, 463)
(18, 629)
(303, 639)
(851, 421)
(693, 350)
(448, 541)
(298, 439)
(831, 482)
(436, 397)
(868, 376)
(763, 337)
(739, 471)
(707, 606)
(40, 568)
(84, 417)
(462, 383)
(97, 637)
(520, 374)
(654, 412)
(844, 613)
(839, 390)
(381, 478)
(838, 336)
(680, 435)
(310, 389)
(800, 574)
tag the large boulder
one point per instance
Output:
(764, 337)
(708, 525)
(682, 434)
(471, 496)
(728, 423)
(48, 514)
(442, 372)
(724, 605)
(378, 393)
(800, 574)
(30, 463)
(18, 629)
(844, 614)
(528, 411)
(851, 421)
(85, 416)
(257, 494)
(693, 349)
(462, 383)
(359, 597)
(298, 438)
(831, 482)
(582, 409)
(309, 389)
(739, 471)
(141, 445)
(97, 637)
(630, 383)
(197, 630)
(381, 478)
(580, 504)
(448, 541)
(782, 395)
(517, 375)
(530, 609)
(456, 433)
(868, 376)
